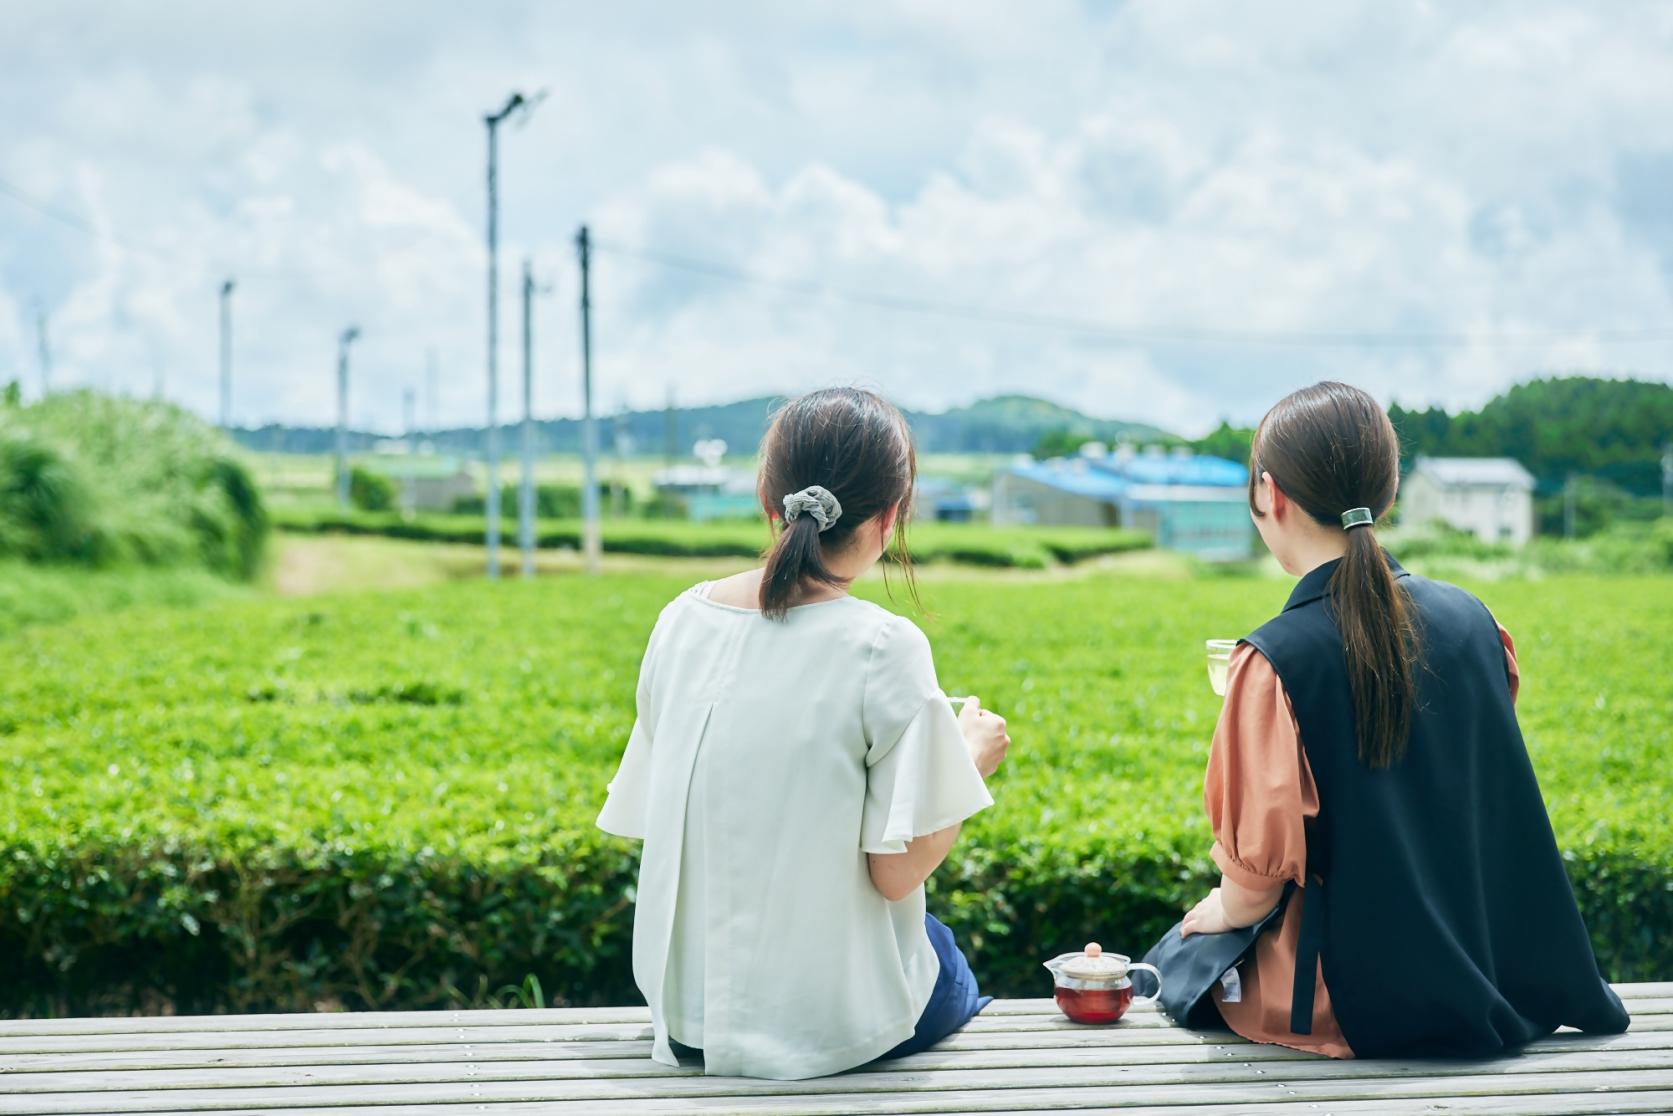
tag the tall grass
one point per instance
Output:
(98, 481)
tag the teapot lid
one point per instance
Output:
(1093, 964)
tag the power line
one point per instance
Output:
(65, 217)
(1190, 335)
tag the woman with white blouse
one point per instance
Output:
(796, 774)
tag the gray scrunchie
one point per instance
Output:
(815, 501)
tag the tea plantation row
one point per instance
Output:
(971, 543)
(387, 800)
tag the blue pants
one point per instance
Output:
(954, 1002)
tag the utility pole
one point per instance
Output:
(343, 343)
(1667, 479)
(670, 430)
(1568, 506)
(590, 541)
(525, 492)
(45, 350)
(226, 354)
(430, 392)
(493, 120)
(409, 500)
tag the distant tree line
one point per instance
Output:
(1613, 431)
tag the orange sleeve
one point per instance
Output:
(1510, 662)
(1258, 790)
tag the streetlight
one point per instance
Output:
(525, 492)
(591, 544)
(226, 354)
(521, 107)
(348, 337)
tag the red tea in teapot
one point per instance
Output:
(1095, 1005)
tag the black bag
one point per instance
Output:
(1191, 967)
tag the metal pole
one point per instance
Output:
(343, 343)
(1667, 479)
(525, 493)
(590, 541)
(1568, 506)
(45, 350)
(226, 354)
(430, 392)
(409, 497)
(493, 445)
(670, 430)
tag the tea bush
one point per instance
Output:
(971, 543)
(387, 799)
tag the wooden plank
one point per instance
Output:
(713, 1094)
(1632, 993)
(926, 1074)
(553, 1032)
(971, 1037)
(981, 1050)
(1653, 1102)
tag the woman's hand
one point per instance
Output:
(984, 733)
(1207, 917)
(1231, 906)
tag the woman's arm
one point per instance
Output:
(897, 875)
(1231, 906)
(1258, 792)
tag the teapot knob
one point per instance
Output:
(1093, 949)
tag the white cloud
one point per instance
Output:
(1356, 167)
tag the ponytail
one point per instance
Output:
(796, 558)
(1332, 450)
(1379, 641)
(831, 461)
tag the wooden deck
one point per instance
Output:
(1018, 1056)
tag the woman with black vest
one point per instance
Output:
(1368, 752)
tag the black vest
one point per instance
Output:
(1444, 920)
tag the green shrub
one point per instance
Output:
(96, 480)
(551, 501)
(370, 491)
(387, 800)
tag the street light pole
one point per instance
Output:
(343, 342)
(525, 491)
(590, 541)
(226, 354)
(515, 103)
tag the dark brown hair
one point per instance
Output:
(856, 445)
(1330, 447)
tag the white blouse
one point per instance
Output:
(767, 759)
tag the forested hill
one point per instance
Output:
(1612, 429)
(1005, 424)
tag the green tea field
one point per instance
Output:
(386, 799)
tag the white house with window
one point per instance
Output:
(1490, 496)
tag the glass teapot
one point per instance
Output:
(1096, 987)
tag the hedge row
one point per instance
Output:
(972, 544)
(387, 800)
(187, 927)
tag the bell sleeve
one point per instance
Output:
(920, 777)
(627, 801)
(1258, 790)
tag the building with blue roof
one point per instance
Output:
(1187, 502)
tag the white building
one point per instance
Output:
(1493, 497)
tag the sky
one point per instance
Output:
(1172, 211)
